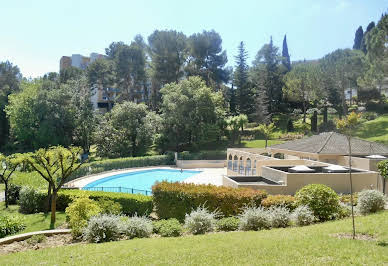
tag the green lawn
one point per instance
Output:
(34, 222)
(258, 143)
(2, 187)
(375, 130)
(292, 246)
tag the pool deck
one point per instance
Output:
(207, 176)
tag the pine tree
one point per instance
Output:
(358, 38)
(286, 57)
(370, 26)
(261, 114)
(244, 95)
(232, 101)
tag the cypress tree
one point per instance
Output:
(370, 26)
(286, 57)
(358, 38)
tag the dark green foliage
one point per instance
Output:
(31, 200)
(13, 193)
(175, 200)
(202, 155)
(370, 26)
(168, 228)
(109, 206)
(380, 108)
(327, 127)
(358, 38)
(70, 73)
(314, 122)
(10, 225)
(286, 61)
(321, 199)
(290, 126)
(228, 224)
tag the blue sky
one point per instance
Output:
(35, 34)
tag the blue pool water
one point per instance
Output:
(138, 181)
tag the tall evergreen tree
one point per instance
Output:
(232, 100)
(286, 57)
(358, 38)
(370, 26)
(240, 80)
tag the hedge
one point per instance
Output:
(279, 200)
(174, 200)
(202, 155)
(122, 163)
(131, 203)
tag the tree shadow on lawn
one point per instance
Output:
(374, 129)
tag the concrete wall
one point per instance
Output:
(359, 162)
(188, 164)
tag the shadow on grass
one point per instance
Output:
(374, 129)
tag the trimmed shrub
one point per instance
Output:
(137, 226)
(279, 216)
(254, 218)
(10, 225)
(370, 201)
(13, 193)
(109, 206)
(31, 200)
(131, 204)
(122, 163)
(345, 198)
(174, 200)
(321, 199)
(228, 224)
(279, 200)
(103, 228)
(302, 215)
(200, 221)
(168, 228)
(79, 212)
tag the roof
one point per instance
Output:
(332, 143)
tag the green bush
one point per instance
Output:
(35, 239)
(228, 224)
(345, 198)
(202, 155)
(254, 218)
(168, 228)
(174, 200)
(370, 201)
(137, 226)
(13, 193)
(279, 216)
(321, 199)
(103, 228)
(302, 216)
(10, 225)
(109, 206)
(200, 221)
(122, 163)
(369, 115)
(279, 200)
(79, 213)
(31, 200)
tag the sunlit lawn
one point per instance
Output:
(375, 130)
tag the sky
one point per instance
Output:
(35, 34)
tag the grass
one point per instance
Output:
(375, 130)
(293, 246)
(34, 222)
(32, 179)
(258, 143)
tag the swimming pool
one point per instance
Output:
(138, 181)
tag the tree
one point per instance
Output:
(358, 38)
(266, 75)
(10, 77)
(70, 73)
(240, 80)
(191, 113)
(128, 130)
(383, 169)
(167, 50)
(130, 72)
(55, 165)
(347, 126)
(39, 116)
(302, 84)
(101, 77)
(206, 58)
(235, 123)
(113, 48)
(370, 26)
(267, 131)
(8, 165)
(286, 61)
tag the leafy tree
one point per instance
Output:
(10, 77)
(370, 26)
(8, 165)
(55, 165)
(40, 117)
(286, 61)
(128, 130)
(206, 58)
(113, 48)
(101, 77)
(244, 93)
(235, 123)
(191, 113)
(358, 38)
(267, 131)
(70, 73)
(266, 75)
(347, 126)
(130, 70)
(167, 50)
(302, 84)
(383, 169)
(232, 100)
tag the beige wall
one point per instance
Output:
(188, 164)
(358, 162)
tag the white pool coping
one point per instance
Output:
(211, 176)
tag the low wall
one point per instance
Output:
(358, 162)
(188, 164)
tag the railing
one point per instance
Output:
(119, 189)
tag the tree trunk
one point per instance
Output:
(266, 142)
(325, 115)
(351, 188)
(304, 112)
(384, 181)
(6, 193)
(48, 201)
(53, 208)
